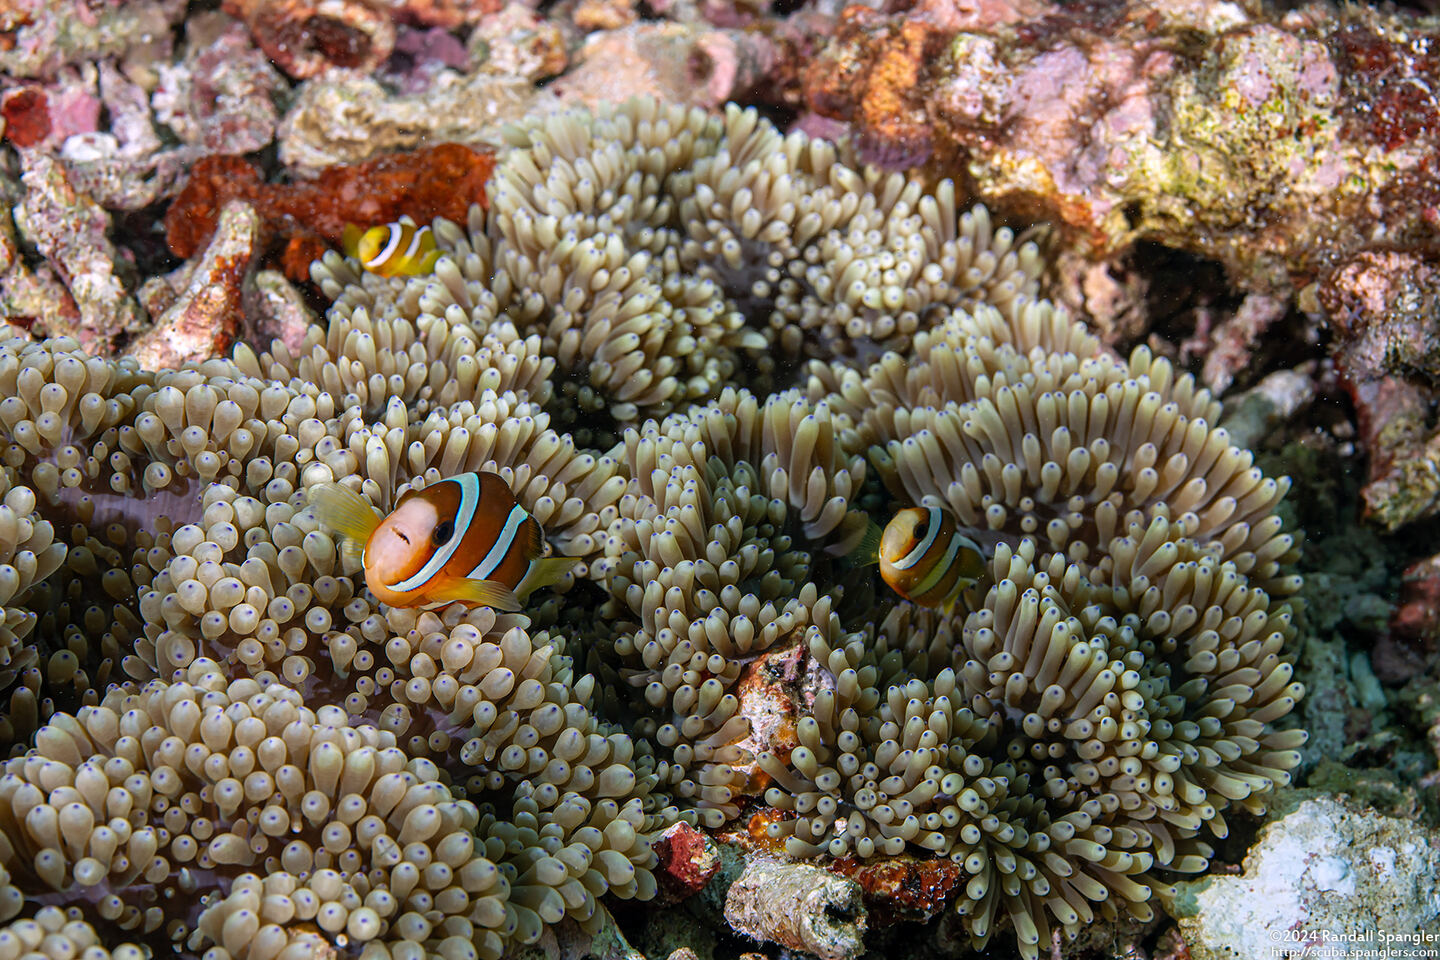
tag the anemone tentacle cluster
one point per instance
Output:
(694, 348)
(1124, 663)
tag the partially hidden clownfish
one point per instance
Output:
(923, 556)
(399, 249)
(463, 539)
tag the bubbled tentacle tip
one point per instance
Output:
(702, 357)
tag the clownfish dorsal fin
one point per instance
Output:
(530, 540)
(867, 551)
(544, 572)
(481, 593)
(350, 240)
(344, 511)
(971, 558)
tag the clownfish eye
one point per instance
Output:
(921, 526)
(443, 531)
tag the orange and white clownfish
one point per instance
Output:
(923, 556)
(399, 249)
(463, 539)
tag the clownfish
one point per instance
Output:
(393, 249)
(464, 539)
(923, 556)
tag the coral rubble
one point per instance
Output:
(69, 229)
(1324, 867)
(699, 351)
(41, 37)
(206, 315)
(801, 907)
(305, 38)
(222, 97)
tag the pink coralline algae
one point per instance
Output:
(43, 117)
(681, 63)
(1236, 338)
(124, 166)
(687, 861)
(420, 55)
(30, 299)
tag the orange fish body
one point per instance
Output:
(926, 559)
(399, 249)
(465, 539)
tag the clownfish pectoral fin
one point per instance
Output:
(352, 552)
(956, 596)
(414, 266)
(544, 572)
(344, 511)
(350, 240)
(479, 593)
(867, 551)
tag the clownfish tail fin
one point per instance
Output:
(344, 511)
(477, 593)
(544, 572)
(867, 551)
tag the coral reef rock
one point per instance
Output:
(1384, 310)
(207, 313)
(1321, 870)
(348, 118)
(1275, 143)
